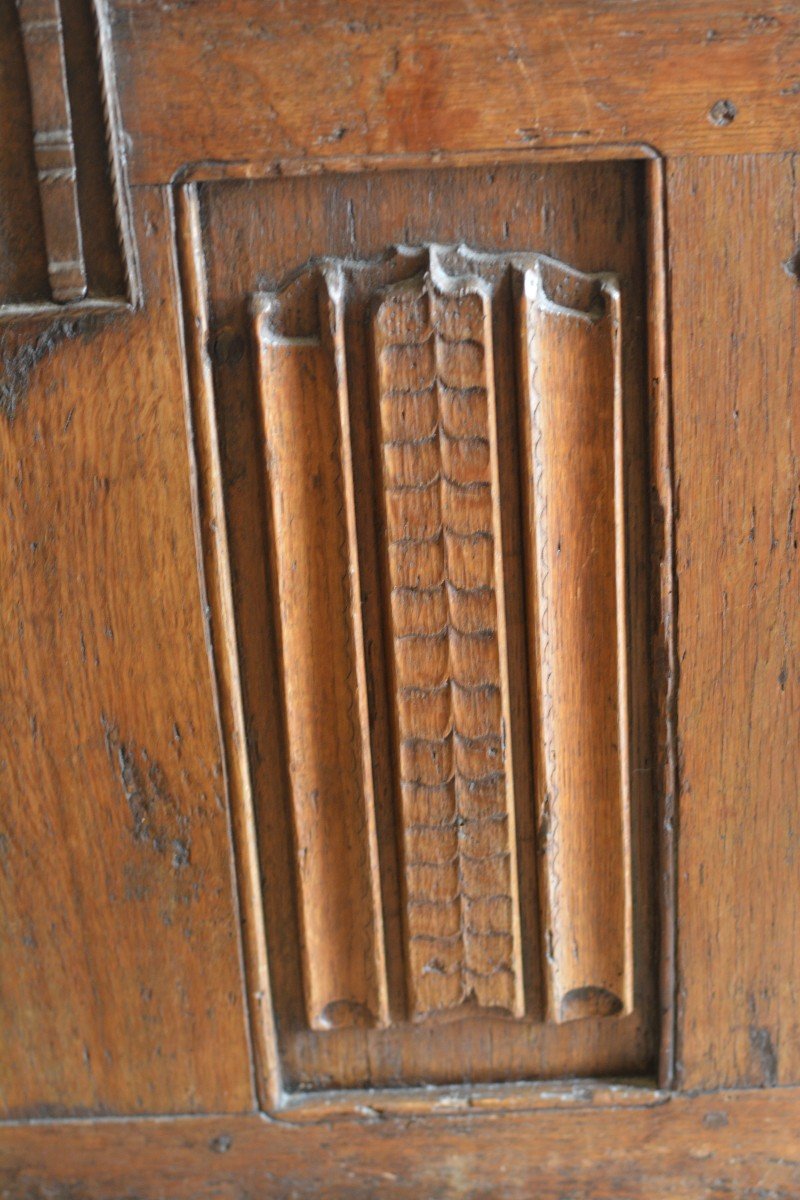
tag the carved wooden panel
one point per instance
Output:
(433, 471)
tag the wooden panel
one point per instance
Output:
(418, 78)
(574, 453)
(377, 546)
(728, 1145)
(304, 400)
(121, 988)
(735, 308)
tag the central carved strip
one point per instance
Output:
(442, 523)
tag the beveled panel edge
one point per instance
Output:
(214, 572)
(664, 584)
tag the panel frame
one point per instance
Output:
(210, 518)
(549, 1144)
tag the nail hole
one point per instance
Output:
(722, 113)
(792, 265)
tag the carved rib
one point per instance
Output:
(573, 432)
(434, 382)
(303, 389)
(54, 151)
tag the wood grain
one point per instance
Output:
(435, 386)
(574, 443)
(729, 1145)
(735, 306)
(304, 400)
(121, 987)
(416, 78)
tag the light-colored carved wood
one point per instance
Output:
(303, 391)
(573, 437)
(53, 146)
(439, 454)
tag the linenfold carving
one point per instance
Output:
(408, 343)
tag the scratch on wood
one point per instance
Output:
(154, 811)
(761, 1042)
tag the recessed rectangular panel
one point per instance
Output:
(431, 401)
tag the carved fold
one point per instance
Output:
(304, 401)
(433, 356)
(54, 151)
(573, 432)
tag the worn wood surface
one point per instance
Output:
(735, 303)
(427, 530)
(729, 1146)
(121, 985)
(64, 203)
(120, 989)
(323, 79)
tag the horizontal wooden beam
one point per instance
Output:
(321, 80)
(727, 1144)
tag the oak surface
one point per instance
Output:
(729, 1146)
(322, 80)
(120, 988)
(121, 981)
(736, 393)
